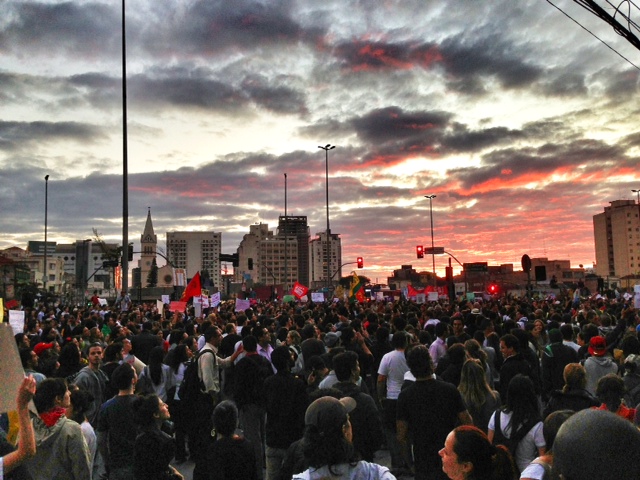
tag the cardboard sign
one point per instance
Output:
(11, 371)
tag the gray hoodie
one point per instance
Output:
(598, 367)
(61, 452)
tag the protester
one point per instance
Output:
(154, 449)
(230, 456)
(597, 445)
(328, 446)
(62, 452)
(27, 443)
(468, 454)
(480, 399)
(518, 424)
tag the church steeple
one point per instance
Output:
(148, 245)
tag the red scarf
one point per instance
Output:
(51, 417)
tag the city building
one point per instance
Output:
(617, 239)
(294, 230)
(271, 265)
(196, 252)
(248, 253)
(318, 259)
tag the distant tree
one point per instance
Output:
(346, 281)
(152, 278)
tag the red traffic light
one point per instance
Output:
(360, 262)
(419, 251)
(493, 288)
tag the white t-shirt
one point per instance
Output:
(393, 366)
(360, 471)
(534, 471)
(527, 450)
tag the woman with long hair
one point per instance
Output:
(327, 444)
(154, 449)
(611, 391)
(480, 399)
(161, 375)
(574, 395)
(469, 455)
(179, 360)
(518, 424)
(77, 411)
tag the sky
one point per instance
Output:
(521, 123)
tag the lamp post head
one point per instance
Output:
(46, 178)
(430, 196)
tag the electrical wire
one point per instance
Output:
(593, 34)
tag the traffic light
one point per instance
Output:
(130, 252)
(419, 251)
(360, 262)
(493, 288)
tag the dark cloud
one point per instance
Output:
(274, 96)
(53, 29)
(469, 63)
(20, 135)
(392, 124)
(211, 27)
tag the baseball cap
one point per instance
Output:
(328, 413)
(597, 346)
(41, 347)
(331, 339)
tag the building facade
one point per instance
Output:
(318, 259)
(617, 239)
(196, 252)
(248, 253)
(295, 230)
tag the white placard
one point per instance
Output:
(102, 302)
(11, 371)
(16, 320)
(317, 297)
(242, 305)
(636, 298)
(215, 299)
(166, 299)
(433, 296)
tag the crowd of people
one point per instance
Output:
(463, 390)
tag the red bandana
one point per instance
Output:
(51, 417)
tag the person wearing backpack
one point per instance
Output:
(518, 424)
(208, 368)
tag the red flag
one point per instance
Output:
(360, 296)
(193, 289)
(299, 290)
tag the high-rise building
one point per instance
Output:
(271, 265)
(318, 259)
(617, 239)
(296, 231)
(196, 252)
(248, 252)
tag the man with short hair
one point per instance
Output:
(514, 363)
(438, 348)
(365, 418)
(391, 372)
(117, 429)
(428, 410)
(93, 380)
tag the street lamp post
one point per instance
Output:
(326, 149)
(433, 254)
(46, 211)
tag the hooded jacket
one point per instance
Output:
(61, 452)
(598, 367)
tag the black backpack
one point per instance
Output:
(192, 386)
(513, 442)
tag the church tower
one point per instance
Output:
(148, 245)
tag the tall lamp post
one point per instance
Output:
(326, 149)
(46, 210)
(433, 254)
(125, 163)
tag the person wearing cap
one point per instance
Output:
(328, 444)
(599, 364)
